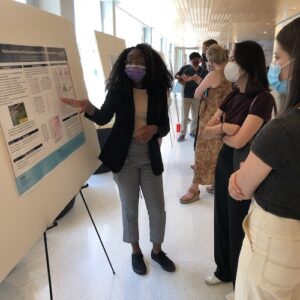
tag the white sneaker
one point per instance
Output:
(212, 280)
(230, 296)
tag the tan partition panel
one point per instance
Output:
(24, 218)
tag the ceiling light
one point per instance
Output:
(265, 32)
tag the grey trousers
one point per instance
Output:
(135, 174)
(187, 105)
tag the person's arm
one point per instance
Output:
(179, 75)
(212, 80)
(147, 132)
(271, 149)
(215, 128)
(245, 181)
(179, 78)
(180, 72)
(100, 116)
(197, 79)
(83, 105)
(250, 127)
(260, 111)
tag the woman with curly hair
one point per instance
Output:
(137, 95)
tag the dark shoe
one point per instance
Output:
(193, 135)
(138, 264)
(164, 261)
(181, 138)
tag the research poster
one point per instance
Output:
(40, 131)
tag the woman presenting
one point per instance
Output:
(137, 96)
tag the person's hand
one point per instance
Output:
(145, 133)
(233, 188)
(181, 80)
(185, 78)
(196, 78)
(230, 129)
(82, 105)
(218, 121)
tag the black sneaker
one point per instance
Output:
(210, 189)
(180, 139)
(138, 264)
(164, 261)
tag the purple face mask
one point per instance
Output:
(135, 72)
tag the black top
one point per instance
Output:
(120, 103)
(278, 145)
(204, 71)
(182, 69)
(237, 106)
(189, 87)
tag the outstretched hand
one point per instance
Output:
(80, 104)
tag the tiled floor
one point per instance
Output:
(79, 267)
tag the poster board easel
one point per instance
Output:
(24, 219)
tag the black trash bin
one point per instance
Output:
(68, 207)
(102, 134)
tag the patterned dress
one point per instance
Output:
(206, 151)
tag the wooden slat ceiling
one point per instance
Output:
(190, 22)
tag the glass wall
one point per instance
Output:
(156, 40)
(87, 20)
(128, 28)
(106, 16)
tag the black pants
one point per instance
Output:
(228, 217)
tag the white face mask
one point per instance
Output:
(232, 72)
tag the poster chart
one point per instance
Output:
(39, 130)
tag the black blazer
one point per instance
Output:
(115, 150)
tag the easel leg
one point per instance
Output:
(171, 130)
(87, 208)
(47, 259)
(176, 107)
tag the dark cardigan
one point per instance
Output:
(120, 103)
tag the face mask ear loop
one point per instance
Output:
(289, 62)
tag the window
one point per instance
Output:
(128, 28)
(156, 41)
(88, 19)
